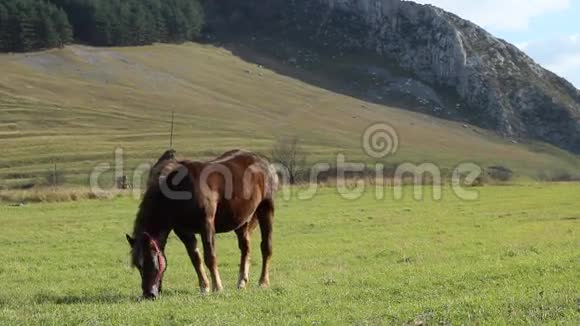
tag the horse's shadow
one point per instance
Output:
(104, 298)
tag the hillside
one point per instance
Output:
(74, 106)
(421, 57)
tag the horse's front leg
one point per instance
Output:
(190, 243)
(209, 252)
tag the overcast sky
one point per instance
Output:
(547, 30)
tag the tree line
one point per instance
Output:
(39, 24)
(31, 24)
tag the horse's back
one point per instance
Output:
(243, 169)
(238, 182)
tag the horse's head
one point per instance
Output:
(148, 258)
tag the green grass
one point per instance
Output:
(509, 258)
(74, 106)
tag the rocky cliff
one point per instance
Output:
(495, 85)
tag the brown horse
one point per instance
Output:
(234, 192)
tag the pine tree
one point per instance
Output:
(79, 16)
(166, 15)
(101, 30)
(48, 36)
(150, 32)
(194, 15)
(178, 25)
(63, 27)
(46, 32)
(122, 34)
(4, 46)
(156, 24)
(12, 28)
(27, 33)
(137, 26)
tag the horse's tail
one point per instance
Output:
(273, 177)
(270, 173)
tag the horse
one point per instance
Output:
(234, 192)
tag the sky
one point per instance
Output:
(547, 30)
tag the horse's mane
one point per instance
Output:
(164, 166)
(149, 203)
(144, 213)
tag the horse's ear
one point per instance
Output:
(130, 240)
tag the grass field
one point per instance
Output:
(75, 106)
(512, 257)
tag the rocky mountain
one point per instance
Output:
(430, 59)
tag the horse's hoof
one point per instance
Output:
(204, 290)
(242, 285)
(264, 285)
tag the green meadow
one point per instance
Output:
(511, 257)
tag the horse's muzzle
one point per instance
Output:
(153, 294)
(150, 296)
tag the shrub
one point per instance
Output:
(288, 152)
(558, 176)
(500, 173)
(50, 194)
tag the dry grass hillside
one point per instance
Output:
(74, 106)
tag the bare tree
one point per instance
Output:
(288, 152)
(55, 177)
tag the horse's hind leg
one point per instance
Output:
(190, 243)
(265, 215)
(209, 251)
(243, 234)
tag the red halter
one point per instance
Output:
(160, 259)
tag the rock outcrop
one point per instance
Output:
(504, 89)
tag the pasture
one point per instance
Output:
(512, 257)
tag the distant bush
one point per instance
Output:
(480, 181)
(500, 173)
(558, 176)
(563, 176)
